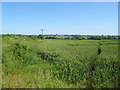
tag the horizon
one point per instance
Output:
(58, 34)
(84, 18)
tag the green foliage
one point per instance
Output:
(82, 37)
(34, 63)
(40, 36)
(33, 37)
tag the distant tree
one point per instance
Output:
(40, 36)
(84, 38)
(67, 38)
(33, 37)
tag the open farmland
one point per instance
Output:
(36, 63)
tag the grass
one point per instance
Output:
(35, 63)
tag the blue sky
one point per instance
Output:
(88, 18)
(0, 17)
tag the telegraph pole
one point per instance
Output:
(42, 32)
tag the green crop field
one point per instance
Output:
(36, 63)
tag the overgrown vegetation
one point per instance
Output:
(35, 63)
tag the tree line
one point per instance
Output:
(69, 37)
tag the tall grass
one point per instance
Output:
(59, 63)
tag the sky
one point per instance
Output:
(83, 18)
(60, 0)
(0, 17)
